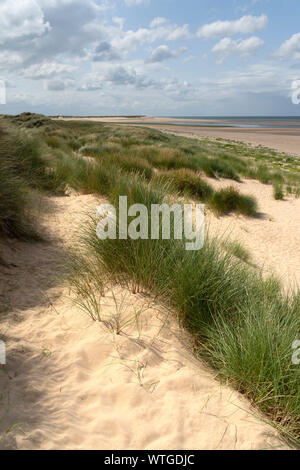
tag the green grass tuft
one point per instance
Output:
(238, 250)
(278, 191)
(189, 183)
(231, 200)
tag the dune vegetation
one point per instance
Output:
(243, 324)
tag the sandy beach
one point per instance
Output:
(282, 140)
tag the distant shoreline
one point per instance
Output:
(284, 139)
(222, 121)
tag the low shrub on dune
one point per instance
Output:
(263, 174)
(167, 158)
(217, 168)
(188, 182)
(131, 163)
(231, 200)
(278, 191)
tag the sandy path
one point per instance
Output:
(71, 383)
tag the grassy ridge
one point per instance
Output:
(151, 155)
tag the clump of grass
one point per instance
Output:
(53, 141)
(166, 158)
(188, 182)
(91, 150)
(130, 163)
(231, 200)
(217, 168)
(237, 249)
(263, 174)
(13, 203)
(88, 177)
(74, 144)
(138, 190)
(130, 262)
(21, 169)
(127, 160)
(87, 283)
(278, 191)
(254, 353)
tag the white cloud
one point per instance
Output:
(189, 59)
(290, 49)
(21, 19)
(58, 85)
(92, 84)
(41, 30)
(162, 53)
(228, 46)
(124, 75)
(257, 79)
(10, 60)
(132, 3)
(158, 22)
(105, 52)
(48, 70)
(49, 31)
(119, 21)
(179, 32)
(129, 40)
(245, 25)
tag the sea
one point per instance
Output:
(256, 122)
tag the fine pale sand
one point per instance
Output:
(273, 237)
(71, 383)
(282, 140)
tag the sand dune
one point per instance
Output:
(71, 383)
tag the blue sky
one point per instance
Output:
(155, 57)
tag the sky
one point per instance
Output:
(154, 57)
